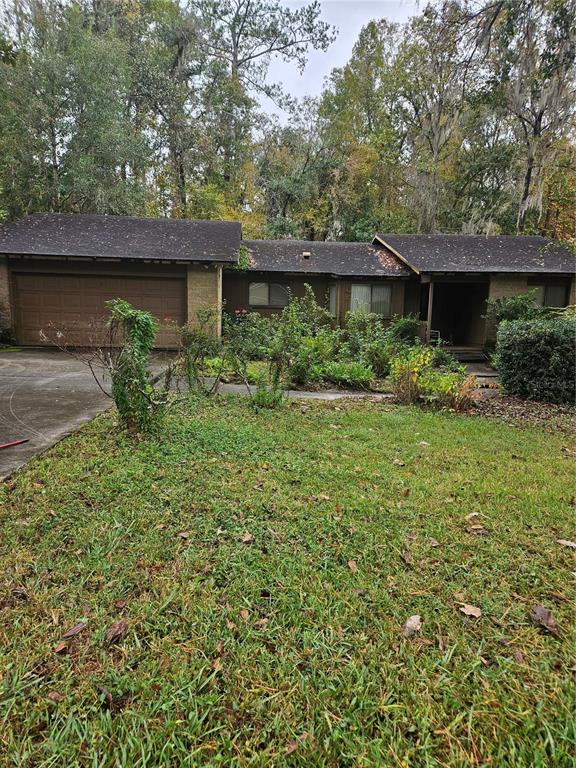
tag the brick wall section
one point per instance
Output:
(5, 308)
(501, 287)
(204, 291)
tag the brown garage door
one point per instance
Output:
(75, 305)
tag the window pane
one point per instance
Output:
(360, 298)
(258, 294)
(381, 298)
(278, 295)
(555, 296)
(333, 300)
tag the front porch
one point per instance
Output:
(453, 309)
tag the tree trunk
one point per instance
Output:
(523, 209)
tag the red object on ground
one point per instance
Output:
(14, 442)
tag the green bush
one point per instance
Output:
(269, 392)
(378, 356)
(519, 307)
(248, 334)
(348, 374)
(404, 330)
(536, 359)
(140, 406)
(414, 378)
(445, 360)
(311, 351)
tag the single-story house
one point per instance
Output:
(57, 271)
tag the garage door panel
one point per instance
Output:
(76, 305)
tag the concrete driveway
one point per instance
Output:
(44, 396)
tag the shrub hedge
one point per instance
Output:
(536, 359)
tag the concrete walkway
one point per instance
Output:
(324, 394)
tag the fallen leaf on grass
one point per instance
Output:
(184, 535)
(62, 647)
(432, 542)
(116, 632)
(477, 530)
(353, 566)
(544, 618)
(245, 613)
(248, 538)
(295, 743)
(261, 622)
(470, 610)
(399, 463)
(55, 696)
(472, 515)
(120, 604)
(566, 543)
(73, 631)
(411, 626)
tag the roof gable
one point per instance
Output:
(123, 237)
(480, 253)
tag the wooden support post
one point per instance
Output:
(429, 317)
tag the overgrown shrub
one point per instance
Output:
(352, 374)
(414, 378)
(249, 333)
(140, 406)
(445, 360)
(269, 392)
(536, 358)
(407, 372)
(403, 330)
(312, 351)
(378, 356)
(198, 343)
(519, 307)
(448, 389)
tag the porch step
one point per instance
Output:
(469, 354)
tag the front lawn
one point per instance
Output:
(262, 567)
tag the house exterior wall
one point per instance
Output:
(204, 291)
(5, 302)
(572, 297)
(502, 287)
(235, 288)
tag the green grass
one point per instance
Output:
(277, 652)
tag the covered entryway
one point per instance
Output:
(75, 305)
(456, 314)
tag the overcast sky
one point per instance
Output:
(348, 16)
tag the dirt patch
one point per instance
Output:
(517, 412)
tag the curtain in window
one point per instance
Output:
(278, 295)
(258, 294)
(381, 299)
(333, 305)
(361, 297)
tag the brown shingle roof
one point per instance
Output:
(326, 258)
(124, 237)
(481, 253)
